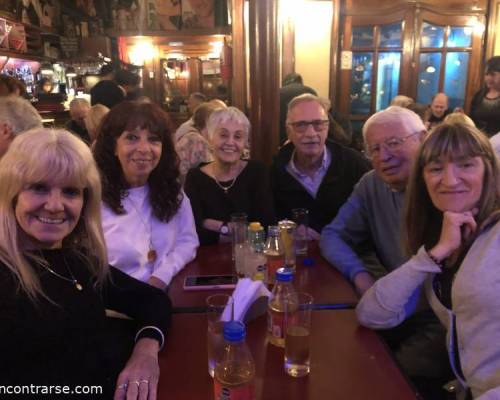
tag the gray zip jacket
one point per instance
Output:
(475, 315)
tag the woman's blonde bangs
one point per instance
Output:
(55, 164)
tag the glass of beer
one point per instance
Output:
(301, 217)
(298, 332)
(238, 241)
(287, 233)
(220, 308)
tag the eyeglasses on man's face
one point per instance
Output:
(392, 144)
(301, 126)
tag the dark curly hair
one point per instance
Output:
(165, 192)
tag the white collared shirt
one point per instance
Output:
(311, 184)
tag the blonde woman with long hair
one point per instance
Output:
(55, 282)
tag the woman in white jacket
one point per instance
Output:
(453, 229)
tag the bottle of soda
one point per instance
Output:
(283, 300)
(255, 263)
(235, 370)
(274, 252)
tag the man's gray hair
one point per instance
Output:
(308, 97)
(395, 114)
(19, 114)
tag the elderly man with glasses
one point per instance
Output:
(310, 171)
(372, 219)
(372, 215)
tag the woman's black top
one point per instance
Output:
(67, 340)
(485, 112)
(249, 193)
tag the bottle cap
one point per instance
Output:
(234, 331)
(273, 230)
(255, 226)
(308, 261)
(284, 274)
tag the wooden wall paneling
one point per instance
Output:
(151, 80)
(492, 23)
(373, 97)
(335, 49)
(408, 73)
(375, 7)
(264, 75)
(195, 75)
(344, 92)
(238, 89)
(475, 75)
(287, 48)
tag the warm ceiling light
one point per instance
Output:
(141, 52)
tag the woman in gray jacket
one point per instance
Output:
(453, 229)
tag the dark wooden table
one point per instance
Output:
(321, 280)
(348, 362)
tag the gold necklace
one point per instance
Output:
(152, 255)
(73, 280)
(225, 188)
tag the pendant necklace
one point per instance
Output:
(151, 255)
(73, 280)
(226, 188)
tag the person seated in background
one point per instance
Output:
(485, 105)
(17, 115)
(11, 86)
(228, 184)
(407, 102)
(194, 100)
(402, 101)
(192, 147)
(293, 86)
(78, 110)
(45, 86)
(459, 117)
(371, 219)
(93, 120)
(147, 219)
(312, 172)
(55, 281)
(452, 218)
(437, 111)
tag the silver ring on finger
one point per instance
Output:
(136, 383)
(144, 381)
(123, 386)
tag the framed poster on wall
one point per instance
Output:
(198, 14)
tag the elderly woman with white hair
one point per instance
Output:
(228, 184)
